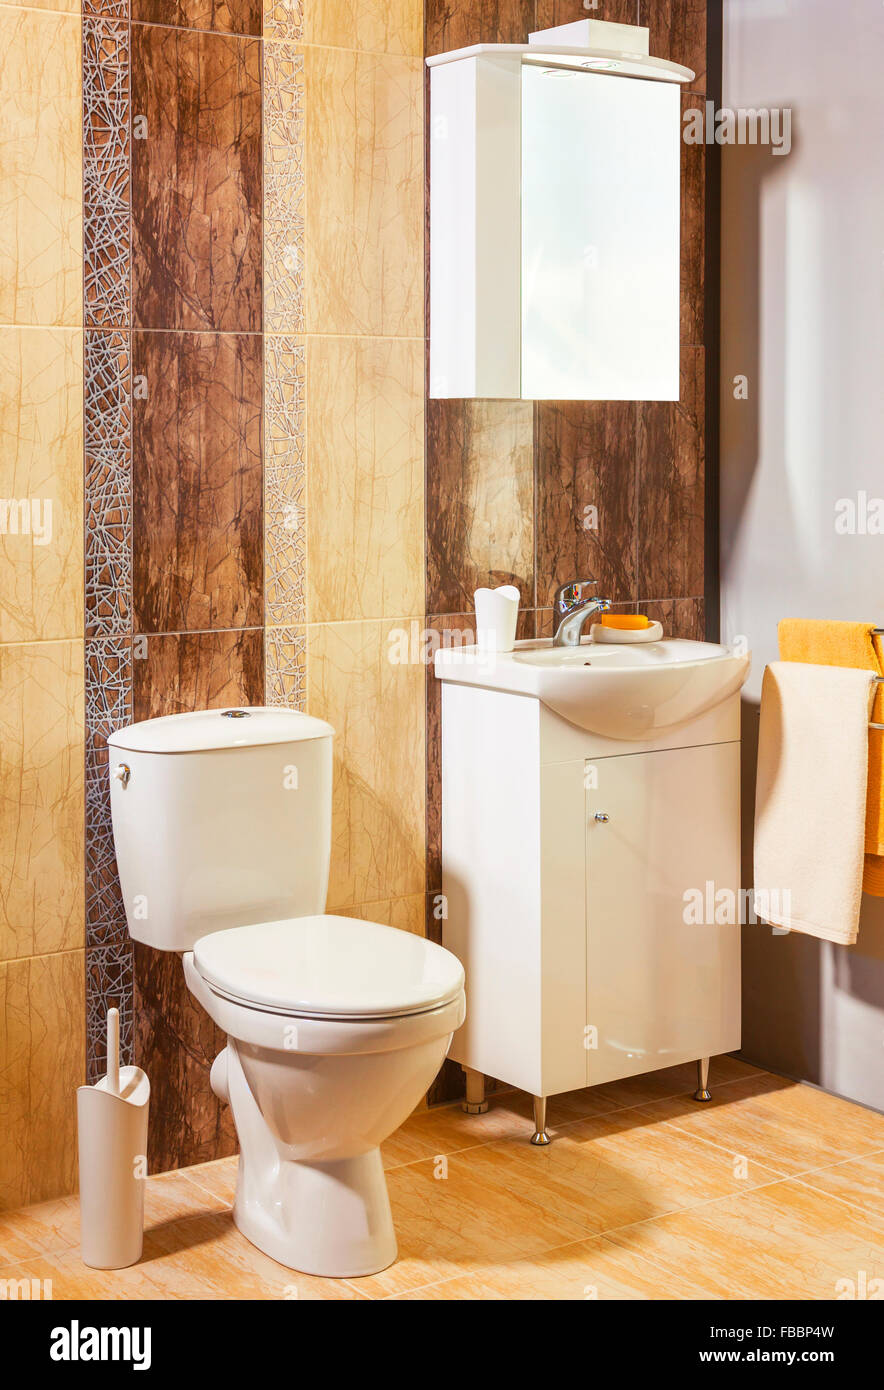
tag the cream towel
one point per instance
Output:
(810, 798)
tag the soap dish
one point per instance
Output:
(652, 633)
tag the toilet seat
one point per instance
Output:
(324, 967)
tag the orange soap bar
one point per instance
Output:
(627, 622)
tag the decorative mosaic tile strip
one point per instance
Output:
(283, 189)
(110, 983)
(283, 19)
(285, 666)
(284, 481)
(106, 172)
(108, 483)
(107, 9)
(108, 706)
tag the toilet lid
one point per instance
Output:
(338, 967)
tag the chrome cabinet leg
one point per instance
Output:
(703, 1092)
(540, 1136)
(475, 1102)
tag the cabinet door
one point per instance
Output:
(662, 988)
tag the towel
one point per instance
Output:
(810, 798)
(850, 644)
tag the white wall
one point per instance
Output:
(803, 318)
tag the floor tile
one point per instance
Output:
(587, 1270)
(791, 1127)
(782, 1241)
(449, 1220)
(614, 1170)
(859, 1181)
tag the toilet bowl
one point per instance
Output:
(319, 1071)
(335, 1026)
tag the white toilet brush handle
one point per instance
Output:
(113, 1051)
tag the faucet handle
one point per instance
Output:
(575, 592)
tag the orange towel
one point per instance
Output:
(824, 643)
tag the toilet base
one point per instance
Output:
(329, 1219)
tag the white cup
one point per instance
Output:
(497, 612)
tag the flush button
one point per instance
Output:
(234, 714)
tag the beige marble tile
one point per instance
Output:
(859, 1181)
(587, 1270)
(365, 478)
(43, 1046)
(195, 1257)
(376, 707)
(379, 26)
(782, 1241)
(41, 799)
(61, 6)
(406, 914)
(364, 267)
(792, 1128)
(614, 1170)
(41, 168)
(447, 1218)
(41, 482)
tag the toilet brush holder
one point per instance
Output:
(112, 1139)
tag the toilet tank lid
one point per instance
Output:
(204, 729)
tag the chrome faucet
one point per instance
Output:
(574, 605)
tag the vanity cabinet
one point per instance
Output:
(566, 861)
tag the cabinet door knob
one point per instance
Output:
(602, 816)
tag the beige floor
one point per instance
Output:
(772, 1191)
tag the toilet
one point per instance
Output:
(335, 1026)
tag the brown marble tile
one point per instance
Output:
(480, 502)
(680, 617)
(197, 670)
(457, 25)
(176, 1043)
(197, 548)
(671, 490)
(221, 16)
(678, 32)
(693, 234)
(550, 12)
(585, 459)
(196, 180)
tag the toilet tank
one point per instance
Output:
(221, 818)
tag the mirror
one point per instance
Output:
(600, 237)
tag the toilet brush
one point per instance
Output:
(112, 1139)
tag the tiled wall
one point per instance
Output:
(173, 196)
(42, 931)
(212, 347)
(508, 482)
(363, 345)
(255, 432)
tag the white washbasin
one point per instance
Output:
(619, 691)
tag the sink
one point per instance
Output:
(623, 691)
